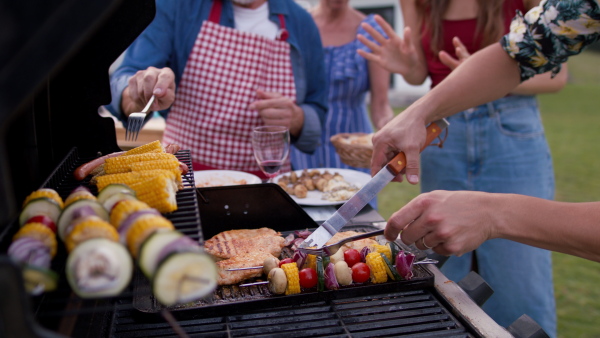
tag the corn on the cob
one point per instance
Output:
(377, 266)
(311, 262)
(142, 228)
(293, 278)
(384, 249)
(94, 227)
(122, 164)
(136, 177)
(152, 147)
(125, 208)
(168, 164)
(40, 232)
(45, 192)
(158, 192)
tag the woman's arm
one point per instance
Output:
(381, 111)
(543, 83)
(456, 222)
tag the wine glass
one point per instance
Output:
(271, 146)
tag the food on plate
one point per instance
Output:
(333, 186)
(218, 181)
(244, 244)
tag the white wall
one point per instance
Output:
(402, 93)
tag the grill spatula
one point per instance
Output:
(349, 209)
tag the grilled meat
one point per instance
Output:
(358, 245)
(244, 233)
(242, 246)
(241, 261)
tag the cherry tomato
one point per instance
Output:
(352, 256)
(308, 278)
(285, 261)
(360, 272)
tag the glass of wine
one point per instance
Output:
(271, 146)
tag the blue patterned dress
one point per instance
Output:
(348, 82)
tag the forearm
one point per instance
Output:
(570, 228)
(467, 86)
(381, 113)
(543, 83)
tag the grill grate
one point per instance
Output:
(413, 311)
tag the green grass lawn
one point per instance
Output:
(572, 122)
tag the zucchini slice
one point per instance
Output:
(390, 269)
(79, 208)
(99, 268)
(40, 206)
(151, 247)
(114, 188)
(183, 277)
(39, 280)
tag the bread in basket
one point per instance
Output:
(355, 149)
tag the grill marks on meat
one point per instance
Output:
(244, 233)
(242, 261)
(241, 249)
(243, 246)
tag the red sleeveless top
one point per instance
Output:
(465, 30)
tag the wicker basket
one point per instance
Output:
(355, 149)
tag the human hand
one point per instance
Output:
(144, 84)
(395, 54)
(278, 110)
(406, 133)
(448, 222)
(461, 52)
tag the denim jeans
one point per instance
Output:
(500, 147)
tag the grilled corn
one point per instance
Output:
(293, 278)
(377, 266)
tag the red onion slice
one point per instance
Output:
(300, 258)
(404, 263)
(330, 279)
(126, 224)
(31, 251)
(363, 253)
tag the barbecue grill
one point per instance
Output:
(51, 84)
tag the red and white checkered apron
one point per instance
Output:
(210, 115)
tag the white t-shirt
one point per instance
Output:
(255, 21)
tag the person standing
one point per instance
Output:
(498, 147)
(220, 68)
(350, 78)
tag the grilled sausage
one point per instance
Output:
(85, 169)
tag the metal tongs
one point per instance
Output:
(329, 250)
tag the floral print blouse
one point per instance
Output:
(548, 34)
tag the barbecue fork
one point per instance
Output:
(135, 122)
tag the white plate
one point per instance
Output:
(218, 178)
(358, 178)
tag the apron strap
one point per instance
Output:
(215, 16)
(215, 11)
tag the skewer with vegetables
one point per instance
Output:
(34, 245)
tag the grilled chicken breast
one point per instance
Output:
(241, 246)
(243, 233)
(358, 245)
(242, 261)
